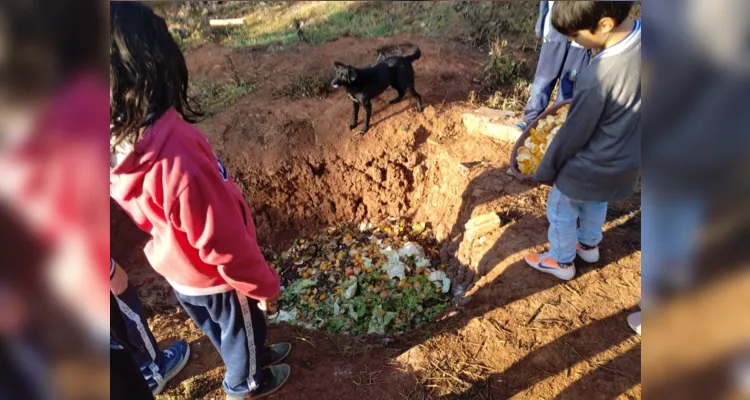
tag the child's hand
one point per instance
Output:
(543, 181)
(119, 281)
(268, 305)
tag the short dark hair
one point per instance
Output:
(147, 72)
(569, 17)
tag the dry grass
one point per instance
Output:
(305, 86)
(513, 99)
(194, 387)
(453, 369)
(268, 23)
(213, 97)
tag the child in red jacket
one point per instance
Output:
(165, 176)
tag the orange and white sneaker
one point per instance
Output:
(587, 253)
(543, 262)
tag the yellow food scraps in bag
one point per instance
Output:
(530, 155)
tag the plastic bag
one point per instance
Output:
(411, 250)
(394, 267)
(436, 276)
(350, 288)
(286, 316)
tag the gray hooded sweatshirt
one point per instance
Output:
(596, 154)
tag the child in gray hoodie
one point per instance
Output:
(595, 157)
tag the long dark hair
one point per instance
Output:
(147, 72)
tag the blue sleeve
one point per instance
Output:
(543, 10)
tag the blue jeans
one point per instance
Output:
(237, 327)
(557, 61)
(148, 356)
(670, 234)
(563, 213)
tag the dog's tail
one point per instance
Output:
(414, 56)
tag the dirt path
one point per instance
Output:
(518, 333)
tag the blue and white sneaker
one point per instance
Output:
(175, 358)
(521, 126)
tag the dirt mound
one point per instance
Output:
(301, 169)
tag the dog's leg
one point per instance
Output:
(398, 98)
(355, 115)
(368, 112)
(416, 95)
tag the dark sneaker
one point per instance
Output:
(273, 379)
(274, 354)
(175, 358)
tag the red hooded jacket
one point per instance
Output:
(203, 239)
(53, 180)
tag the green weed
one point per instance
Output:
(500, 69)
(271, 23)
(212, 97)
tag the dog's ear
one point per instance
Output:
(337, 64)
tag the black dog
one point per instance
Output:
(364, 84)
